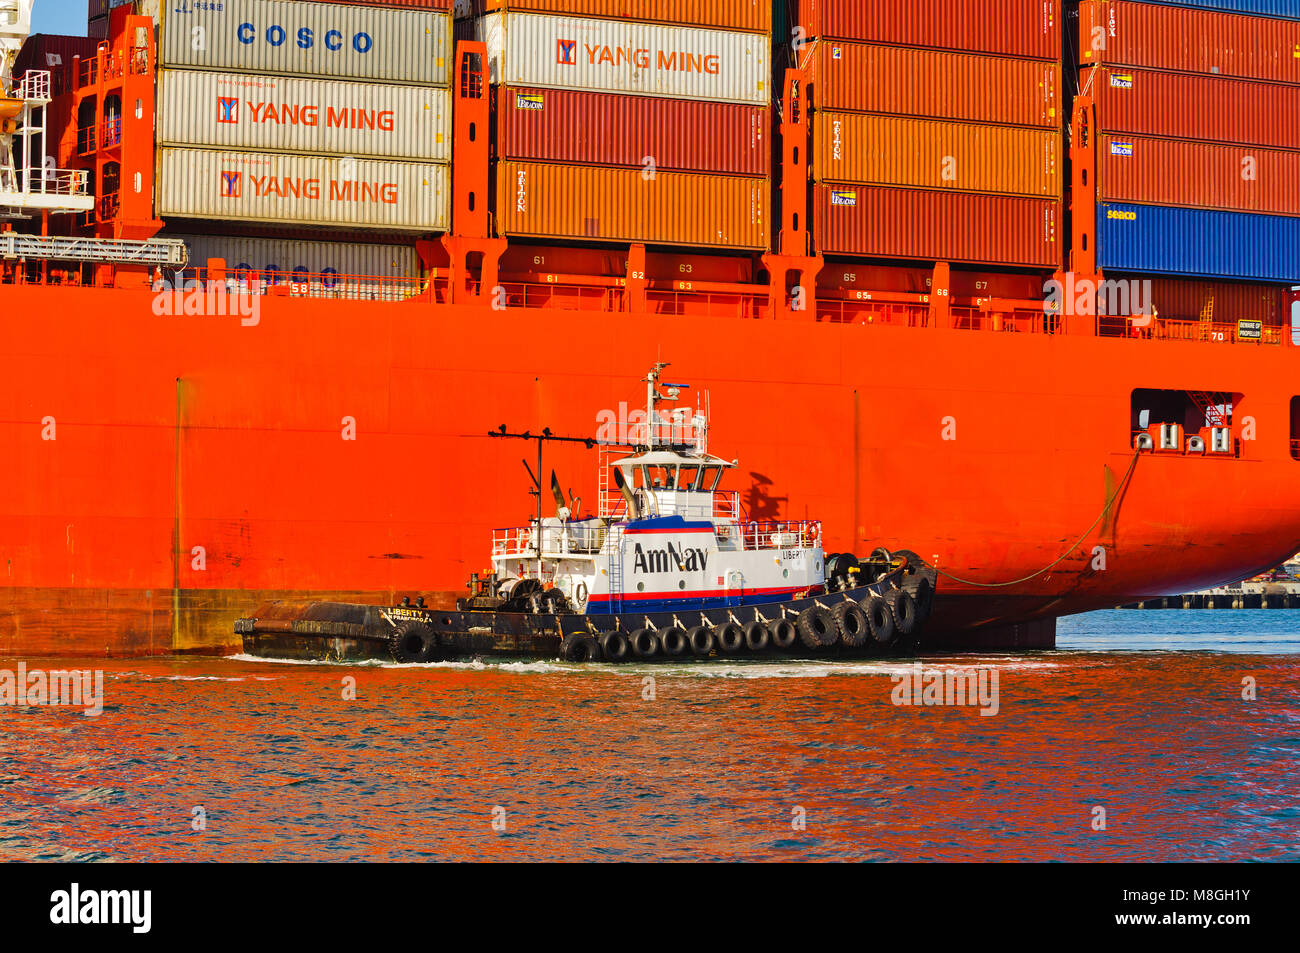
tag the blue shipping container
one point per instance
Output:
(1161, 239)
(1261, 8)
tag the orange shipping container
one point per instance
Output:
(929, 153)
(749, 16)
(1159, 36)
(672, 208)
(864, 77)
(1201, 174)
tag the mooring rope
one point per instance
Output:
(1056, 562)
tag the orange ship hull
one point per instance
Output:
(164, 475)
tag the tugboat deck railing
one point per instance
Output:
(588, 539)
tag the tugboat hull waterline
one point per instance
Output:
(280, 393)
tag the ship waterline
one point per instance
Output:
(173, 472)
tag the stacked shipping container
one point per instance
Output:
(937, 129)
(305, 113)
(1198, 156)
(619, 123)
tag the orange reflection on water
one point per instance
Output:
(721, 763)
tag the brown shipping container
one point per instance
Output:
(934, 154)
(1201, 174)
(1208, 108)
(937, 226)
(1030, 28)
(1159, 36)
(861, 77)
(748, 16)
(1186, 299)
(672, 208)
(555, 125)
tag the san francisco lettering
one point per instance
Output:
(669, 559)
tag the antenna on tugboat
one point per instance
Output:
(504, 432)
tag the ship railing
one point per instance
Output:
(706, 303)
(112, 131)
(87, 136)
(36, 85)
(583, 537)
(791, 534)
(326, 285)
(726, 505)
(875, 313)
(109, 206)
(1223, 332)
(562, 296)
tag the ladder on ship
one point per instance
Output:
(615, 569)
(1210, 405)
(163, 252)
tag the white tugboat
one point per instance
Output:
(667, 537)
(667, 568)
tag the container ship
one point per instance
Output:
(1010, 284)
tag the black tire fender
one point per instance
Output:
(903, 607)
(924, 599)
(673, 642)
(702, 641)
(883, 630)
(580, 647)
(757, 638)
(852, 623)
(783, 634)
(413, 642)
(729, 637)
(613, 645)
(817, 628)
(644, 643)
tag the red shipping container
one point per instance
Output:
(1187, 106)
(881, 222)
(745, 16)
(688, 135)
(862, 77)
(53, 52)
(1199, 174)
(1159, 36)
(1030, 28)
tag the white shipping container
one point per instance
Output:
(335, 40)
(276, 259)
(679, 62)
(315, 116)
(303, 190)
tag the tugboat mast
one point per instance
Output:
(541, 439)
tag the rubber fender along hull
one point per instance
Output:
(344, 632)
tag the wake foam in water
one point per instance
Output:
(793, 668)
